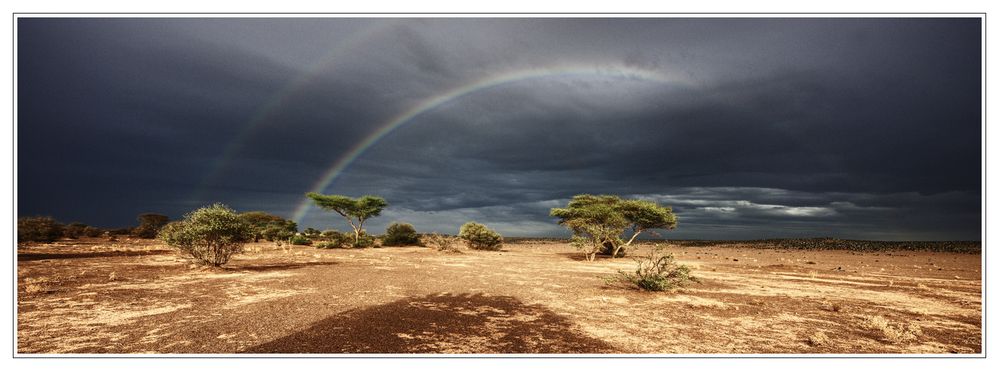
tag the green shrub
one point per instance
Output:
(327, 245)
(365, 240)
(312, 233)
(658, 271)
(38, 229)
(401, 234)
(479, 237)
(277, 233)
(299, 240)
(74, 230)
(267, 226)
(149, 225)
(211, 235)
(333, 239)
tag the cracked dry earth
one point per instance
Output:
(137, 296)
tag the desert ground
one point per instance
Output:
(139, 296)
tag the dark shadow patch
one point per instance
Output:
(276, 267)
(580, 257)
(441, 324)
(86, 255)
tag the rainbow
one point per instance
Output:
(279, 97)
(337, 168)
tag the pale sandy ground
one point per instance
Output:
(137, 297)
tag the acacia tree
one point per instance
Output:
(356, 211)
(598, 222)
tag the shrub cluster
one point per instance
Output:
(333, 239)
(479, 237)
(400, 234)
(277, 233)
(299, 240)
(269, 227)
(38, 229)
(312, 233)
(74, 230)
(150, 225)
(210, 235)
(92, 231)
(365, 240)
(658, 271)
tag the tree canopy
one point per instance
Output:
(598, 221)
(356, 211)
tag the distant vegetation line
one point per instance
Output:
(967, 247)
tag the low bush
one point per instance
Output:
(38, 229)
(277, 234)
(401, 234)
(74, 230)
(312, 233)
(150, 225)
(211, 235)
(442, 242)
(365, 240)
(658, 271)
(327, 245)
(479, 237)
(299, 240)
(333, 239)
(92, 231)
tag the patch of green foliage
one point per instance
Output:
(480, 237)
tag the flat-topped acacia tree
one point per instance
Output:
(356, 211)
(597, 222)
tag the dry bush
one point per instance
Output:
(36, 286)
(658, 271)
(442, 242)
(819, 338)
(892, 333)
(833, 307)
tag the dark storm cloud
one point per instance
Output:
(862, 128)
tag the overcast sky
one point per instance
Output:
(748, 128)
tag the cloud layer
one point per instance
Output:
(857, 128)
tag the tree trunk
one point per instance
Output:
(617, 248)
(357, 230)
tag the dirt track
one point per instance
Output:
(138, 297)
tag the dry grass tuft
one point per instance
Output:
(36, 286)
(892, 333)
(819, 338)
(832, 307)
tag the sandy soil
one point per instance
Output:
(137, 296)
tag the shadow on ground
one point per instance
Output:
(441, 324)
(84, 255)
(277, 267)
